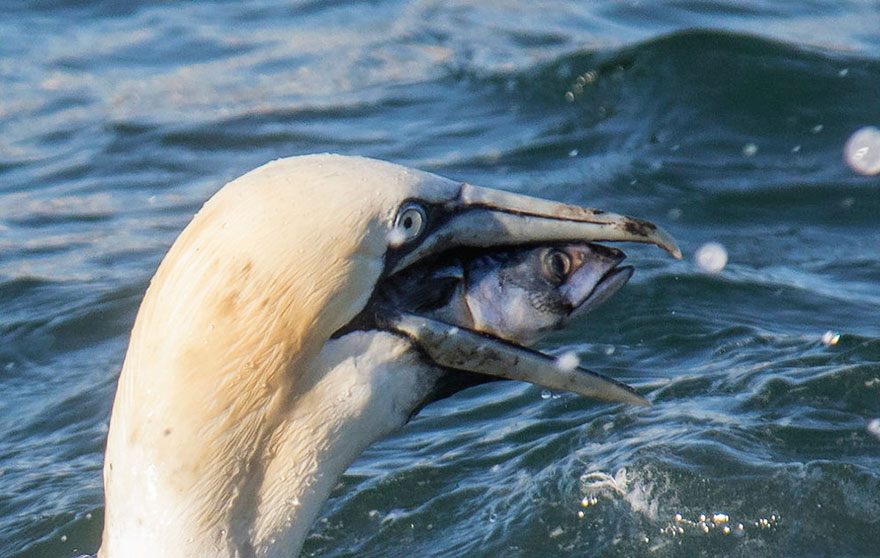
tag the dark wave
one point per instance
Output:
(674, 98)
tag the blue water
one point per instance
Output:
(721, 121)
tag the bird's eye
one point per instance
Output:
(409, 224)
(557, 265)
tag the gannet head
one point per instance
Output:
(229, 427)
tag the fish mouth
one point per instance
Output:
(597, 278)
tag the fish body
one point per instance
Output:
(519, 295)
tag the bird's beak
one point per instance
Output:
(462, 349)
(486, 218)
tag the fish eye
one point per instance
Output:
(557, 265)
(410, 222)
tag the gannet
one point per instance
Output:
(265, 357)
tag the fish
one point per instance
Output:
(518, 294)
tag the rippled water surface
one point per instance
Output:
(721, 121)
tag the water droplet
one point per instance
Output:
(545, 394)
(843, 72)
(569, 96)
(711, 257)
(63, 538)
(817, 128)
(395, 237)
(750, 149)
(492, 517)
(874, 427)
(225, 225)
(862, 151)
(567, 361)
(830, 338)
(573, 153)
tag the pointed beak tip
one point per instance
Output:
(667, 242)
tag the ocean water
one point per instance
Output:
(722, 121)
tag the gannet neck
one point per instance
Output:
(209, 408)
(352, 402)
